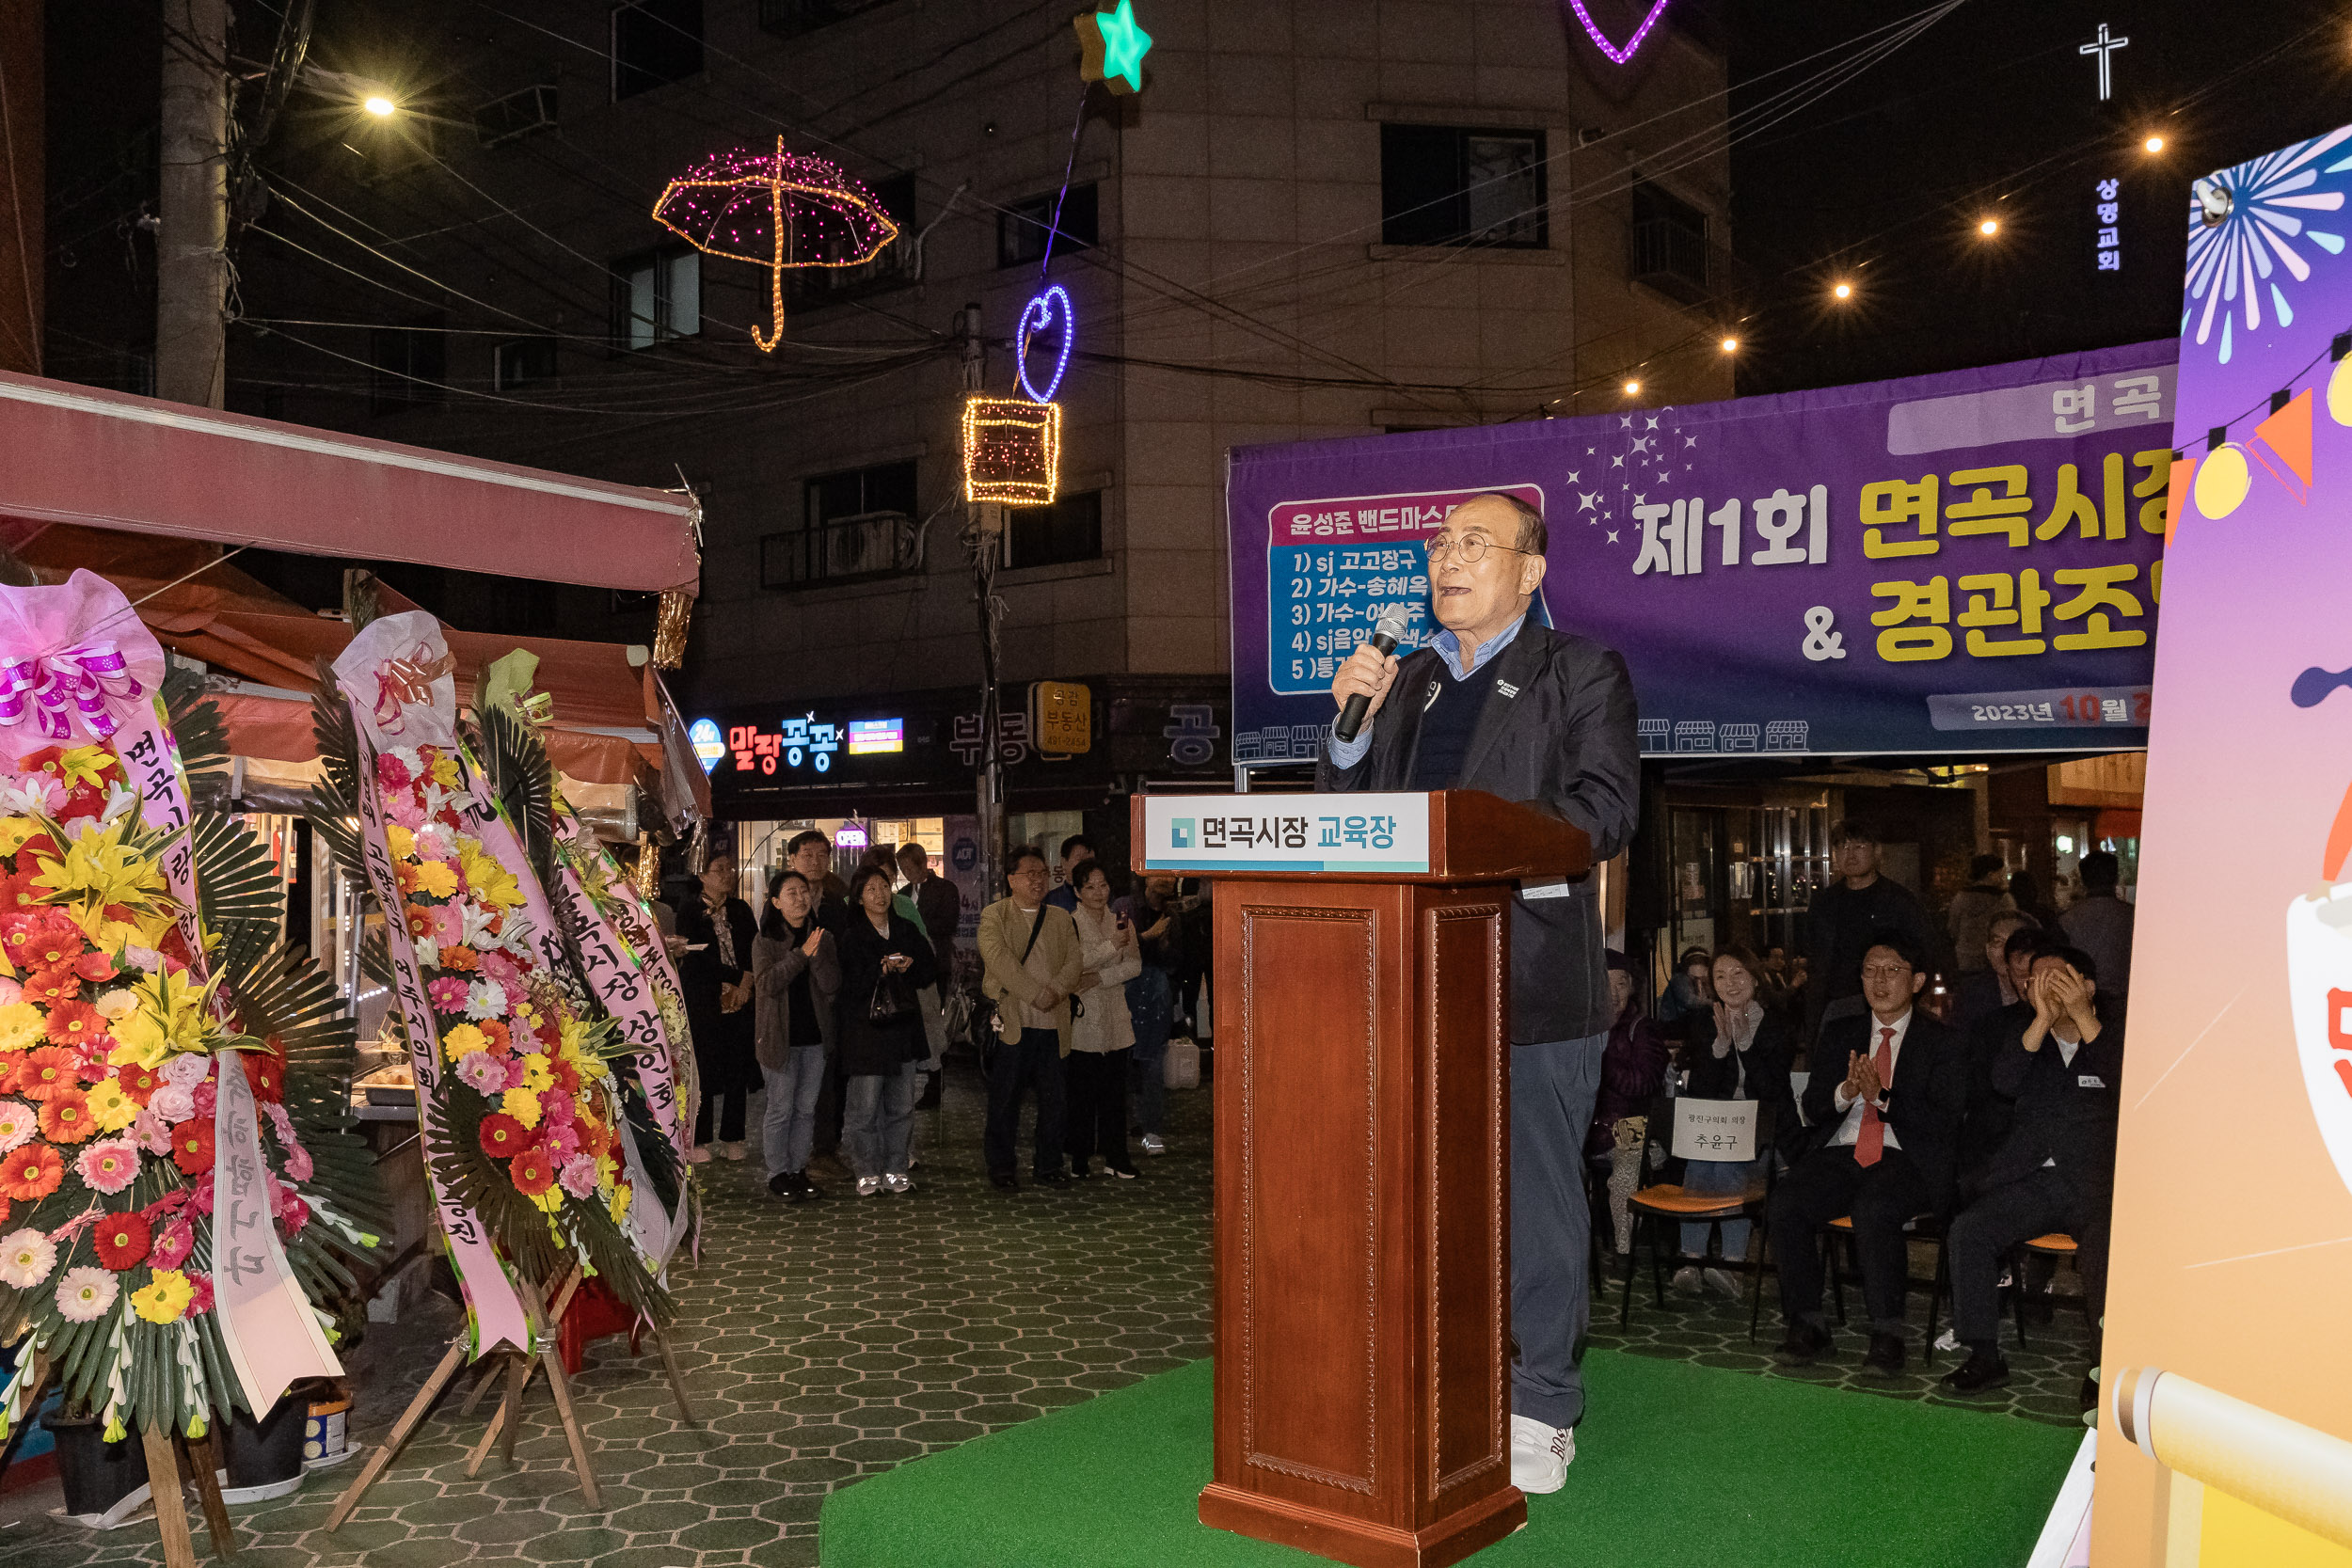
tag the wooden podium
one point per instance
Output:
(1362, 1285)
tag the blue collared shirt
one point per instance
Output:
(1347, 753)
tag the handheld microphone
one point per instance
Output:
(1385, 637)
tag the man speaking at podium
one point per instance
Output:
(1500, 703)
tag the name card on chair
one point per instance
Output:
(1714, 1129)
(1285, 832)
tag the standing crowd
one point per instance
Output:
(838, 999)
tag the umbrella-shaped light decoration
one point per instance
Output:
(775, 210)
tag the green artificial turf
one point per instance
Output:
(1676, 1464)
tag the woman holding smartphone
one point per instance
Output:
(1100, 1034)
(884, 960)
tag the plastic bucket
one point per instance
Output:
(95, 1474)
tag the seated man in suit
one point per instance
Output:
(1879, 1148)
(2062, 1067)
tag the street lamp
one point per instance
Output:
(2154, 144)
(1841, 291)
(1730, 345)
(1989, 228)
(1632, 389)
(379, 106)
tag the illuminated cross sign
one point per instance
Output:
(2104, 46)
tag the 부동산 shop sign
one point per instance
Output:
(1968, 561)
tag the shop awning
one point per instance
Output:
(109, 459)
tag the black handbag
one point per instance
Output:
(892, 1001)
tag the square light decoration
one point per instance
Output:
(1011, 450)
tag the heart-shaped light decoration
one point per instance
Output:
(1044, 309)
(1600, 40)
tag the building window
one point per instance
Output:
(859, 523)
(791, 18)
(658, 296)
(515, 116)
(1668, 244)
(524, 362)
(1022, 227)
(407, 368)
(1446, 186)
(1069, 530)
(655, 41)
(809, 286)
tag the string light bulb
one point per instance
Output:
(1730, 345)
(1989, 228)
(1841, 291)
(1632, 389)
(380, 106)
(2154, 144)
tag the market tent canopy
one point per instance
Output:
(110, 460)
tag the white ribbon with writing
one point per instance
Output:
(266, 1324)
(391, 679)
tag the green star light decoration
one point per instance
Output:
(1113, 47)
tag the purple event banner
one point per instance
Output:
(1968, 561)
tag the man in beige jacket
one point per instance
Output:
(1029, 959)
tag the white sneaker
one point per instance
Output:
(1540, 1454)
(1718, 1280)
(869, 1186)
(893, 1182)
(731, 1151)
(698, 1155)
(1153, 1144)
(1687, 1280)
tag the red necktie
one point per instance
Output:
(1871, 1142)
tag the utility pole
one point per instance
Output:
(192, 235)
(984, 543)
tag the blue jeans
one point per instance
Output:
(1553, 1085)
(875, 1124)
(1714, 1178)
(1151, 1005)
(790, 1123)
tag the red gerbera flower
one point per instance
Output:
(503, 1136)
(46, 1070)
(266, 1071)
(140, 1082)
(19, 890)
(52, 984)
(75, 1023)
(94, 965)
(502, 1040)
(457, 956)
(192, 1146)
(65, 1117)
(10, 1063)
(122, 1240)
(31, 1173)
(43, 938)
(533, 1173)
(566, 1077)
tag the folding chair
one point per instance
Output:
(1665, 1207)
(2057, 1243)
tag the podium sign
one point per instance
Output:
(1363, 1129)
(1201, 833)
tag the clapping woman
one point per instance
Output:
(884, 960)
(1102, 1034)
(796, 971)
(1735, 1049)
(715, 972)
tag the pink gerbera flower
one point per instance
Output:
(448, 995)
(109, 1166)
(579, 1176)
